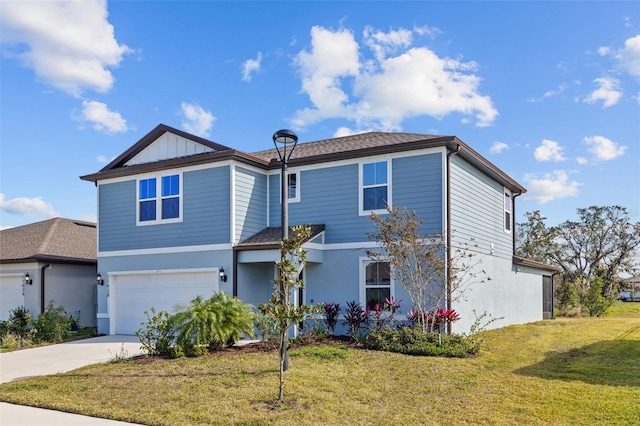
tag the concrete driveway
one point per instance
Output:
(55, 359)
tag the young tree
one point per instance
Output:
(284, 313)
(432, 274)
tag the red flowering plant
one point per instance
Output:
(384, 315)
(436, 320)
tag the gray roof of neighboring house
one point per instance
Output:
(269, 238)
(58, 239)
(322, 151)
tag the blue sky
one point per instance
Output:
(547, 91)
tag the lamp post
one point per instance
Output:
(284, 137)
(287, 139)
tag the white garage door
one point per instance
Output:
(136, 293)
(10, 294)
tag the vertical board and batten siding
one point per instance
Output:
(477, 210)
(206, 215)
(166, 147)
(250, 203)
(417, 186)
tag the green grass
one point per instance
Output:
(564, 371)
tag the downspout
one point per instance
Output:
(42, 287)
(513, 221)
(448, 237)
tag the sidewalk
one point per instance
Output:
(55, 359)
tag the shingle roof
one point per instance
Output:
(346, 144)
(270, 237)
(64, 240)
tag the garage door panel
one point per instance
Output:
(137, 293)
(10, 295)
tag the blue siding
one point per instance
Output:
(477, 209)
(330, 196)
(417, 185)
(251, 203)
(205, 208)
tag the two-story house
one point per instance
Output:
(179, 216)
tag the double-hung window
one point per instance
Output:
(159, 199)
(375, 192)
(376, 284)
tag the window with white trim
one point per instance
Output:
(159, 199)
(376, 285)
(508, 210)
(293, 187)
(375, 193)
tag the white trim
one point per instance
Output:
(166, 250)
(102, 315)
(506, 193)
(112, 288)
(164, 271)
(158, 199)
(295, 199)
(232, 203)
(361, 164)
(362, 278)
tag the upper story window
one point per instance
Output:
(375, 193)
(508, 209)
(293, 187)
(159, 200)
(376, 285)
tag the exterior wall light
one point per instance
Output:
(99, 279)
(223, 276)
(27, 279)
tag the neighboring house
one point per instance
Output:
(633, 286)
(50, 260)
(176, 209)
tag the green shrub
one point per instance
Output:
(215, 322)
(594, 302)
(19, 320)
(52, 326)
(157, 336)
(414, 341)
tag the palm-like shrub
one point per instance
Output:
(214, 322)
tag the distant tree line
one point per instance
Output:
(593, 251)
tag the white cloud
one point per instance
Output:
(549, 151)
(427, 30)
(498, 147)
(250, 67)
(102, 119)
(196, 120)
(23, 206)
(102, 159)
(69, 44)
(582, 161)
(551, 186)
(608, 92)
(398, 83)
(629, 56)
(603, 148)
(561, 88)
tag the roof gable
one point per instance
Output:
(54, 239)
(164, 143)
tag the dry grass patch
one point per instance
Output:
(564, 371)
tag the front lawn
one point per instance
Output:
(565, 371)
